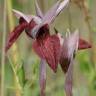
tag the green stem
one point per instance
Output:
(69, 19)
(42, 6)
(19, 88)
(3, 52)
(15, 54)
(88, 23)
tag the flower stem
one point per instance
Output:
(11, 26)
(69, 18)
(15, 54)
(42, 5)
(3, 52)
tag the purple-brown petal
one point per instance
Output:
(48, 49)
(83, 44)
(13, 36)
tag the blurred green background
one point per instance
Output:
(22, 64)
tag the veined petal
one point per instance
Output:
(49, 49)
(38, 10)
(13, 36)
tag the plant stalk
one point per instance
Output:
(87, 20)
(15, 54)
(3, 52)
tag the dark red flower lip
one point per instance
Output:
(48, 48)
(83, 44)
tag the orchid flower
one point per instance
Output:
(50, 48)
(66, 49)
(82, 44)
(56, 49)
(37, 27)
(69, 47)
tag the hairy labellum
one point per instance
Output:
(47, 47)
